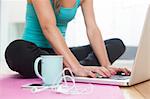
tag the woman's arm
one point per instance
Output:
(94, 33)
(47, 21)
(96, 40)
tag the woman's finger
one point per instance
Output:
(88, 72)
(112, 71)
(105, 71)
(97, 70)
(129, 72)
(123, 70)
(100, 72)
(91, 74)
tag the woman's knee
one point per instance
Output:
(20, 56)
(120, 47)
(16, 54)
(115, 48)
(11, 53)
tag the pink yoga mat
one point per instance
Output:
(10, 88)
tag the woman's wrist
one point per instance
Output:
(74, 65)
(106, 64)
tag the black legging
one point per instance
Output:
(20, 55)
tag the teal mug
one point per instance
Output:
(51, 69)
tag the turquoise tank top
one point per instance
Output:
(33, 32)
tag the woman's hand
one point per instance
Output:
(91, 71)
(84, 71)
(114, 70)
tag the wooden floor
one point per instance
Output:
(140, 91)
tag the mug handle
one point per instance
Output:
(36, 67)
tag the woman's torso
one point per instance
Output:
(33, 31)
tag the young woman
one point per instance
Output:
(46, 24)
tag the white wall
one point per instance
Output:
(12, 12)
(115, 18)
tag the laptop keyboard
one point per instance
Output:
(115, 77)
(119, 77)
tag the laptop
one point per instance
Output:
(140, 68)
